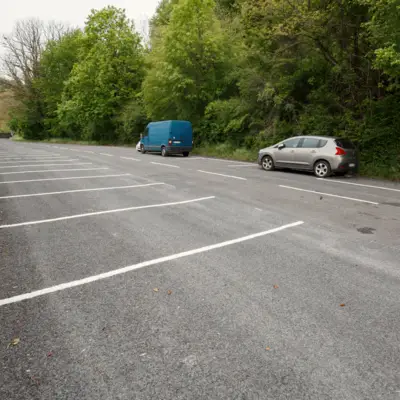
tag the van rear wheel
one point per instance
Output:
(164, 151)
(185, 154)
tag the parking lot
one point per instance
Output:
(134, 276)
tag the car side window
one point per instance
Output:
(291, 143)
(322, 143)
(310, 143)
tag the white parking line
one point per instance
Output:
(81, 190)
(242, 165)
(229, 161)
(328, 194)
(130, 158)
(358, 184)
(35, 161)
(226, 176)
(52, 170)
(31, 155)
(165, 165)
(43, 165)
(88, 151)
(67, 178)
(124, 270)
(10, 158)
(43, 221)
(106, 154)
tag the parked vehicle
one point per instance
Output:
(5, 135)
(168, 137)
(321, 154)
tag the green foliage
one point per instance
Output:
(132, 121)
(188, 65)
(56, 64)
(246, 73)
(226, 150)
(108, 75)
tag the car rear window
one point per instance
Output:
(344, 143)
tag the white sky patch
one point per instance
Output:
(72, 12)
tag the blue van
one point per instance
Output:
(168, 137)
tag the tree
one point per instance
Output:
(56, 63)
(188, 64)
(384, 29)
(21, 68)
(108, 75)
(22, 52)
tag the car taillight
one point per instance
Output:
(340, 152)
(170, 141)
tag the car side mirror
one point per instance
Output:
(141, 136)
(281, 146)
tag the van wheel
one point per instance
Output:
(164, 151)
(322, 169)
(142, 150)
(185, 154)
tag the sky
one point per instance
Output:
(72, 12)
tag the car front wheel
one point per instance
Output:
(142, 150)
(164, 152)
(322, 169)
(268, 163)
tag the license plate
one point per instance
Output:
(177, 141)
(352, 165)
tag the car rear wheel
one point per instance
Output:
(185, 154)
(268, 163)
(142, 150)
(164, 151)
(322, 169)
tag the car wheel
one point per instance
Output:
(267, 163)
(142, 150)
(322, 169)
(185, 154)
(164, 151)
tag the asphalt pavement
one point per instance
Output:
(133, 276)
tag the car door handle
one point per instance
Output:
(292, 151)
(314, 151)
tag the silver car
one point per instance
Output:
(321, 154)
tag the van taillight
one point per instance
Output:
(340, 152)
(169, 141)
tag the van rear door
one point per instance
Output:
(181, 134)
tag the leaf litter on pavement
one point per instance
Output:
(14, 342)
